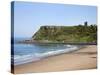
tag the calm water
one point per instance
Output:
(24, 53)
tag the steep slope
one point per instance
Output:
(80, 33)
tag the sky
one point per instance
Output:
(29, 16)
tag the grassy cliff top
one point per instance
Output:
(74, 34)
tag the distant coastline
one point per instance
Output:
(78, 35)
(51, 42)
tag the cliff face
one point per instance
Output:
(66, 33)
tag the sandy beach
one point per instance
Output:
(85, 58)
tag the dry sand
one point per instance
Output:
(85, 58)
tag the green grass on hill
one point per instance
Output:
(80, 33)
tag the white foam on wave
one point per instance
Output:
(50, 53)
(21, 59)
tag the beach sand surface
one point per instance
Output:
(85, 58)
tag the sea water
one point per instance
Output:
(24, 53)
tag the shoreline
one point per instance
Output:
(85, 58)
(52, 55)
(56, 42)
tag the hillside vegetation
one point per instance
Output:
(73, 34)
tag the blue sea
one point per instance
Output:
(24, 53)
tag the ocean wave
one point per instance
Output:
(21, 59)
(56, 52)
